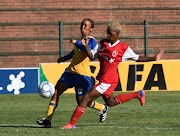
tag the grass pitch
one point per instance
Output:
(160, 116)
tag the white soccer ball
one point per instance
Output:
(46, 89)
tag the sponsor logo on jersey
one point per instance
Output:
(115, 53)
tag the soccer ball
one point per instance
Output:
(46, 89)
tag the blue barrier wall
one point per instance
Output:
(18, 80)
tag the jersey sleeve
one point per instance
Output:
(95, 50)
(129, 54)
(69, 56)
(92, 44)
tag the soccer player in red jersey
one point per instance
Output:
(110, 52)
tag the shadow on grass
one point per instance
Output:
(21, 126)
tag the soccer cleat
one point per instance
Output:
(141, 97)
(44, 122)
(68, 126)
(103, 113)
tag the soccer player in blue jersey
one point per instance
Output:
(77, 75)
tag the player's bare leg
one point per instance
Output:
(87, 98)
(102, 108)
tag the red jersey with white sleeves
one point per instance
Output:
(110, 56)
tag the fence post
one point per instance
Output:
(61, 39)
(146, 37)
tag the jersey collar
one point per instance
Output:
(114, 43)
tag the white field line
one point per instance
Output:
(115, 126)
(157, 128)
(90, 125)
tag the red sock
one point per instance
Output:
(77, 114)
(126, 97)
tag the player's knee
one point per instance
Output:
(60, 88)
(87, 98)
(111, 103)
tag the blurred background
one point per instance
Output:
(30, 29)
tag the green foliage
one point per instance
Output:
(160, 116)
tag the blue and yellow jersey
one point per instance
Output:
(80, 60)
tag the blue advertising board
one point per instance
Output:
(18, 80)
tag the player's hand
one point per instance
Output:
(85, 41)
(61, 59)
(159, 55)
(71, 41)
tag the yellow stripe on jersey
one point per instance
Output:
(80, 62)
(91, 37)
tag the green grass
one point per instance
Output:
(160, 116)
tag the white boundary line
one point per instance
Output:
(98, 125)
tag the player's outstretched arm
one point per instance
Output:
(85, 42)
(61, 59)
(158, 56)
(65, 58)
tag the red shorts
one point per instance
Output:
(105, 88)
